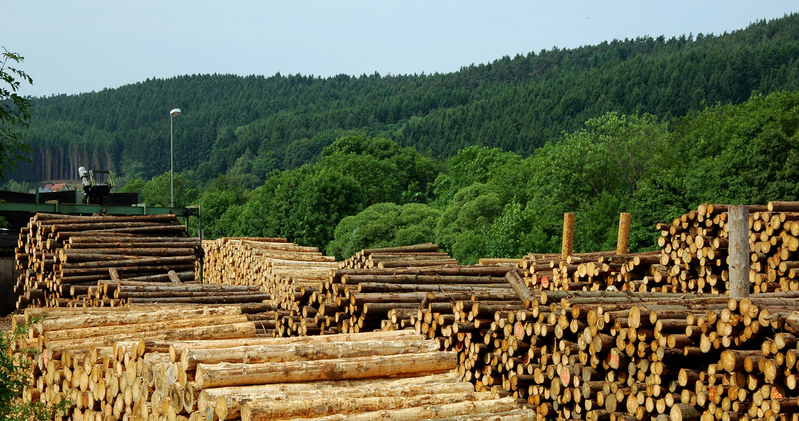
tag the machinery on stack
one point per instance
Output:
(97, 192)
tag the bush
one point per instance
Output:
(15, 376)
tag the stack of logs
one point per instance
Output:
(621, 355)
(418, 255)
(289, 273)
(357, 300)
(80, 358)
(692, 257)
(83, 260)
(367, 299)
(597, 271)
(204, 362)
(694, 249)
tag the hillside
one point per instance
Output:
(517, 104)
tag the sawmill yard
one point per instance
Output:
(124, 329)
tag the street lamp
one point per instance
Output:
(172, 114)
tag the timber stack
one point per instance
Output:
(417, 255)
(289, 273)
(623, 355)
(360, 299)
(82, 359)
(203, 362)
(692, 257)
(694, 248)
(69, 260)
(597, 271)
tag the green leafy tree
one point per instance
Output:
(322, 200)
(156, 192)
(743, 153)
(15, 112)
(474, 164)
(268, 210)
(133, 186)
(384, 225)
(596, 172)
(219, 196)
(510, 235)
(461, 230)
(385, 171)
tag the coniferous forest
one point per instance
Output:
(483, 161)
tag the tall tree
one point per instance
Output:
(15, 112)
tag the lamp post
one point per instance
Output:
(173, 113)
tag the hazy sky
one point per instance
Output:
(88, 45)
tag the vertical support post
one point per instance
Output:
(738, 219)
(171, 163)
(568, 235)
(623, 240)
(202, 237)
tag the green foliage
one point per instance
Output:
(15, 112)
(658, 199)
(510, 234)
(133, 186)
(462, 227)
(475, 164)
(743, 154)
(595, 172)
(513, 103)
(15, 376)
(303, 205)
(384, 225)
(267, 212)
(22, 187)
(323, 200)
(218, 198)
(385, 171)
(157, 192)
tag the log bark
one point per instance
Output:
(431, 411)
(227, 374)
(317, 407)
(303, 352)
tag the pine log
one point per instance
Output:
(431, 411)
(321, 406)
(303, 352)
(227, 374)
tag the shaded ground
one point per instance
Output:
(5, 322)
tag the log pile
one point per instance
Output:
(201, 362)
(154, 293)
(418, 255)
(68, 260)
(360, 300)
(640, 272)
(289, 273)
(81, 356)
(692, 257)
(694, 248)
(623, 355)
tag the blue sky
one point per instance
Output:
(88, 45)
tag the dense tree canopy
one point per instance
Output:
(15, 112)
(256, 124)
(384, 225)
(484, 161)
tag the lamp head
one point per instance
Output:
(175, 112)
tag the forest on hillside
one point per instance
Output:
(517, 104)
(368, 192)
(483, 161)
